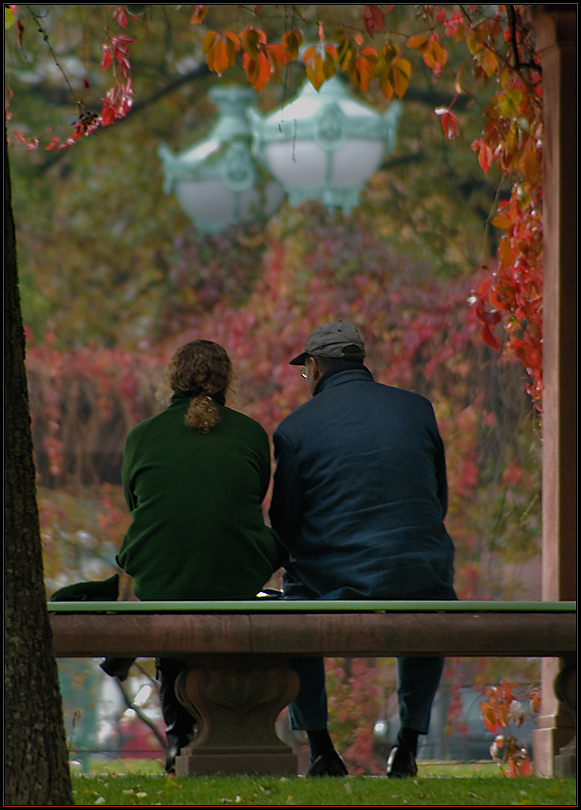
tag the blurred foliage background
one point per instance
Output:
(114, 277)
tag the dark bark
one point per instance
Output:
(35, 754)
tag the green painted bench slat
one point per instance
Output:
(310, 606)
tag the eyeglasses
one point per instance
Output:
(304, 370)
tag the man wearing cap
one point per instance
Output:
(359, 500)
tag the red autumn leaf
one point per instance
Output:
(257, 70)
(291, 42)
(495, 301)
(373, 19)
(511, 769)
(449, 122)
(361, 73)
(106, 58)
(483, 287)
(200, 11)
(220, 50)
(524, 767)
(250, 39)
(489, 718)
(490, 338)
(19, 32)
(485, 155)
(120, 15)
(107, 116)
(276, 53)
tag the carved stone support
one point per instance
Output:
(236, 700)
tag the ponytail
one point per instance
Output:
(202, 369)
(203, 413)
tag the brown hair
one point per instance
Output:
(203, 369)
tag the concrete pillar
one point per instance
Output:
(556, 34)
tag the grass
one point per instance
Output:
(478, 784)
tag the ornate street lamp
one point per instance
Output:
(325, 145)
(217, 181)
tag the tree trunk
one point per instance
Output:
(35, 753)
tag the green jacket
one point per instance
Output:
(197, 529)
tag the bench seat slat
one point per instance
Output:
(310, 606)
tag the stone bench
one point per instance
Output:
(238, 677)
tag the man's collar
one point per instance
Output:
(340, 368)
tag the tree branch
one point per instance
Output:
(193, 75)
(200, 72)
(130, 705)
(511, 17)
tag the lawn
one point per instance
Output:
(478, 784)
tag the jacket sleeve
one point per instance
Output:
(441, 477)
(287, 500)
(439, 464)
(264, 463)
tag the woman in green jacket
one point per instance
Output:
(194, 478)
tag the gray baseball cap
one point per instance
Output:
(339, 340)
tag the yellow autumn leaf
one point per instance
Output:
(417, 41)
(502, 221)
(364, 74)
(439, 52)
(291, 42)
(9, 17)
(489, 61)
(315, 72)
(401, 77)
(529, 164)
(209, 40)
(458, 80)
(386, 86)
(506, 253)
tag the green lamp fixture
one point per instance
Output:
(217, 181)
(324, 144)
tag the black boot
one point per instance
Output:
(180, 724)
(117, 667)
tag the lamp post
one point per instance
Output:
(324, 144)
(217, 181)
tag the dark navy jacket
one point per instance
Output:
(360, 493)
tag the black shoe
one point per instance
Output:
(175, 744)
(401, 764)
(329, 764)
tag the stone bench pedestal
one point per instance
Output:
(236, 700)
